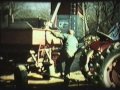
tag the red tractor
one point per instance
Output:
(100, 59)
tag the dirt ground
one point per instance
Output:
(36, 80)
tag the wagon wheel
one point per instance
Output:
(20, 76)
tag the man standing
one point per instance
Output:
(67, 54)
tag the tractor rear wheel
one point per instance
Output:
(111, 69)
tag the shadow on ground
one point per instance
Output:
(10, 85)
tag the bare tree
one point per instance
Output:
(108, 14)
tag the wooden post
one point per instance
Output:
(85, 26)
(83, 19)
